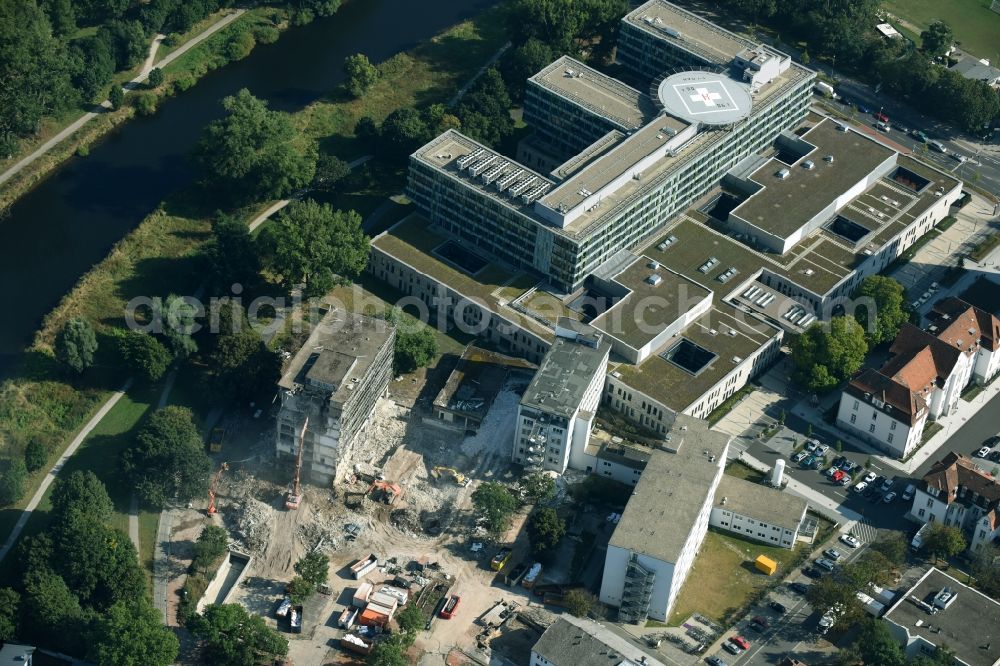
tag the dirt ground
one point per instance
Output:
(432, 520)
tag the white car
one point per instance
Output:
(860, 486)
(821, 450)
(850, 540)
(983, 452)
(869, 477)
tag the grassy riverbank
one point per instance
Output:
(161, 255)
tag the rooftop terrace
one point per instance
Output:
(597, 92)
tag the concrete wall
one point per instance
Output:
(232, 571)
(613, 583)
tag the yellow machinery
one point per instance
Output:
(455, 474)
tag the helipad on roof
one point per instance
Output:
(705, 97)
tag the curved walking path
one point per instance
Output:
(51, 476)
(134, 83)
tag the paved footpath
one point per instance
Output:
(131, 85)
(51, 476)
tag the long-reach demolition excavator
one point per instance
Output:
(294, 497)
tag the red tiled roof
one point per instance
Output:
(954, 471)
(906, 405)
(964, 318)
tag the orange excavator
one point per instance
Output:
(294, 497)
(211, 489)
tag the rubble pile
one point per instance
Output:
(322, 532)
(253, 525)
(407, 521)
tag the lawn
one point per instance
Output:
(723, 578)
(743, 471)
(976, 27)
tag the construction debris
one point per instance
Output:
(253, 525)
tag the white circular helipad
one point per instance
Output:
(705, 97)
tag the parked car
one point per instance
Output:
(824, 563)
(909, 492)
(798, 457)
(757, 626)
(937, 146)
(811, 445)
(848, 465)
(994, 456)
(833, 554)
(778, 607)
(838, 461)
(882, 126)
(715, 661)
(920, 136)
(832, 472)
(860, 486)
(800, 587)
(886, 485)
(850, 540)
(821, 450)
(846, 480)
(742, 642)
(808, 461)
(732, 648)
(881, 117)
(869, 477)
(889, 497)
(982, 452)
(761, 622)
(812, 572)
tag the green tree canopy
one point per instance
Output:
(311, 242)
(180, 317)
(330, 171)
(944, 541)
(212, 543)
(51, 612)
(496, 504)
(523, 62)
(234, 637)
(400, 133)
(893, 547)
(10, 603)
(232, 256)
(299, 589)
(314, 567)
(94, 65)
(116, 96)
(156, 77)
(537, 487)
(827, 354)
(132, 634)
(889, 310)
(410, 619)
(875, 645)
(254, 153)
(243, 365)
(13, 480)
(81, 491)
(144, 354)
(415, 346)
(485, 110)
(560, 23)
(76, 345)
(545, 529)
(361, 74)
(168, 459)
(986, 568)
(936, 39)
(579, 601)
(390, 652)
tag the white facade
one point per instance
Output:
(751, 528)
(875, 425)
(986, 365)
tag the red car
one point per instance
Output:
(740, 641)
(881, 116)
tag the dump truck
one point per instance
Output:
(215, 441)
(450, 607)
(357, 644)
(501, 559)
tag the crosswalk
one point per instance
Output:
(865, 531)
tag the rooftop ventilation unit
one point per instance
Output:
(728, 275)
(523, 185)
(654, 279)
(673, 32)
(782, 174)
(481, 165)
(666, 242)
(708, 265)
(654, 265)
(737, 360)
(808, 272)
(712, 331)
(509, 180)
(470, 158)
(494, 173)
(828, 158)
(808, 165)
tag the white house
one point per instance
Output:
(956, 491)
(574, 641)
(758, 512)
(923, 378)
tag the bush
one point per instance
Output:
(14, 481)
(266, 34)
(156, 78)
(144, 354)
(210, 546)
(36, 454)
(82, 151)
(144, 103)
(184, 82)
(116, 97)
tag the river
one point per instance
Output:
(56, 232)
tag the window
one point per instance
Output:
(854, 418)
(930, 503)
(874, 416)
(871, 428)
(889, 438)
(855, 405)
(921, 513)
(892, 425)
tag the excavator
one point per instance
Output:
(455, 474)
(211, 489)
(294, 497)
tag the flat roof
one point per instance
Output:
(597, 92)
(476, 380)
(688, 31)
(784, 205)
(339, 350)
(613, 163)
(970, 625)
(709, 98)
(648, 309)
(763, 503)
(413, 240)
(566, 371)
(671, 492)
(602, 444)
(572, 641)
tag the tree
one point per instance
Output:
(944, 541)
(62, 17)
(212, 543)
(51, 610)
(36, 454)
(80, 491)
(314, 567)
(537, 487)
(254, 153)
(234, 637)
(131, 634)
(168, 460)
(299, 589)
(415, 346)
(893, 547)
(330, 170)
(76, 344)
(495, 504)
(410, 619)
(827, 593)
(13, 481)
(126, 40)
(390, 652)
(936, 39)
(560, 23)
(144, 103)
(524, 62)
(117, 97)
(871, 568)
(545, 529)
(579, 601)
(311, 242)
(156, 78)
(179, 320)
(400, 133)
(144, 354)
(826, 355)
(232, 256)
(875, 645)
(94, 67)
(34, 67)
(244, 366)
(986, 568)
(485, 110)
(10, 602)
(361, 74)
(889, 313)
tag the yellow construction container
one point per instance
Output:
(766, 565)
